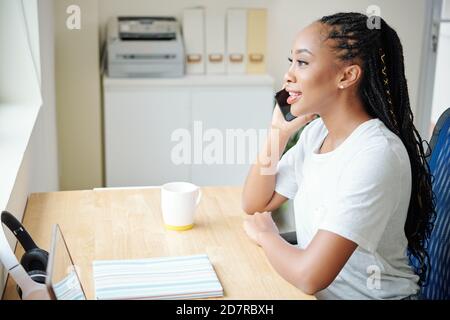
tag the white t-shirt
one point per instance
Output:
(360, 191)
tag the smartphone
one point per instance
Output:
(281, 98)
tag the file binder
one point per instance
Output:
(256, 41)
(194, 39)
(215, 41)
(236, 41)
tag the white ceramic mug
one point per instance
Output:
(179, 200)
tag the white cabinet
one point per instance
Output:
(140, 116)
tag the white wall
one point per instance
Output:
(46, 175)
(287, 17)
(39, 168)
(441, 98)
(78, 97)
(446, 9)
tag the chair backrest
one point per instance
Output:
(438, 284)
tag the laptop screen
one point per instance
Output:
(63, 281)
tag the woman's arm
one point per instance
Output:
(311, 269)
(259, 189)
(258, 193)
(314, 268)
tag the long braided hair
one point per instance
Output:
(384, 92)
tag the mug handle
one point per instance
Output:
(198, 197)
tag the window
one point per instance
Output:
(19, 53)
(20, 94)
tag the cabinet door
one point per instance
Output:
(248, 109)
(138, 128)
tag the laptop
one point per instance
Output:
(63, 281)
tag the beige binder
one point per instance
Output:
(256, 40)
(236, 44)
(215, 41)
(194, 39)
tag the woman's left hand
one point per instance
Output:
(259, 223)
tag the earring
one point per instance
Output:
(341, 86)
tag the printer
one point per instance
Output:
(149, 47)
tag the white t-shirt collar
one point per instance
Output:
(355, 133)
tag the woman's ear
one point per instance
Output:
(350, 76)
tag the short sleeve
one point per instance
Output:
(286, 182)
(289, 169)
(368, 194)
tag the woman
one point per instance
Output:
(358, 174)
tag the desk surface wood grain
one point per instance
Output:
(127, 224)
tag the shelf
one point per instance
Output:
(191, 81)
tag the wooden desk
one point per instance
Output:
(127, 224)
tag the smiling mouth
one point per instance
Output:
(293, 97)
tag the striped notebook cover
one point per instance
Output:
(69, 288)
(185, 277)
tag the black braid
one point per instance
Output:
(387, 89)
(385, 96)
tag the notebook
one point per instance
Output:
(185, 277)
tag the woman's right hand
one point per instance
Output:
(288, 128)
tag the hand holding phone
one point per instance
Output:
(281, 99)
(285, 120)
